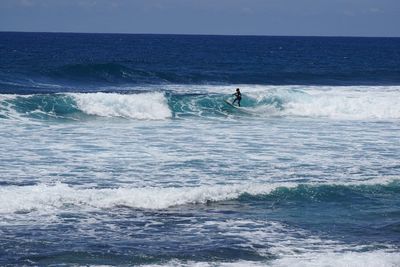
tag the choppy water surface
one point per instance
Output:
(166, 173)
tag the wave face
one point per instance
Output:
(348, 103)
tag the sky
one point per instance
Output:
(229, 17)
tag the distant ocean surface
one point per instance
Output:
(119, 150)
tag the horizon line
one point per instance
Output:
(199, 34)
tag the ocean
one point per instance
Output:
(119, 150)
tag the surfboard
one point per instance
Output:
(230, 104)
(244, 110)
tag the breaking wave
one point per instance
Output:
(341, 103)
(150, 106)
(145, 106)
(43, 197)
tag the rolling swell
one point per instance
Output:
(104, 73)
(134, 74)
(341, 193)
(69, 59)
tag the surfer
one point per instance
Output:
(238, 97)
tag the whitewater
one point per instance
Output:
(128, 155)
(180, 161)
(166, 102)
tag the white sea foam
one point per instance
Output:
(145, 106)
(298, 247)
(346, 104)
(294, 247)
(348, 259)
(176, 263)
(47, 198)
(379, 258)
(7, 97)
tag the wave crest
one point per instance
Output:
(146, 106)
(52, 197)
(143, 106)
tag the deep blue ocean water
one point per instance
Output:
(119, 150)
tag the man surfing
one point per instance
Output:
(238, 97)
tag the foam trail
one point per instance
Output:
(145, 106)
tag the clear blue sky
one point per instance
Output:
(250, 17)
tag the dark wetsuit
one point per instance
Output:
(238, 98)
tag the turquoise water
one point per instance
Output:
(164, 173)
